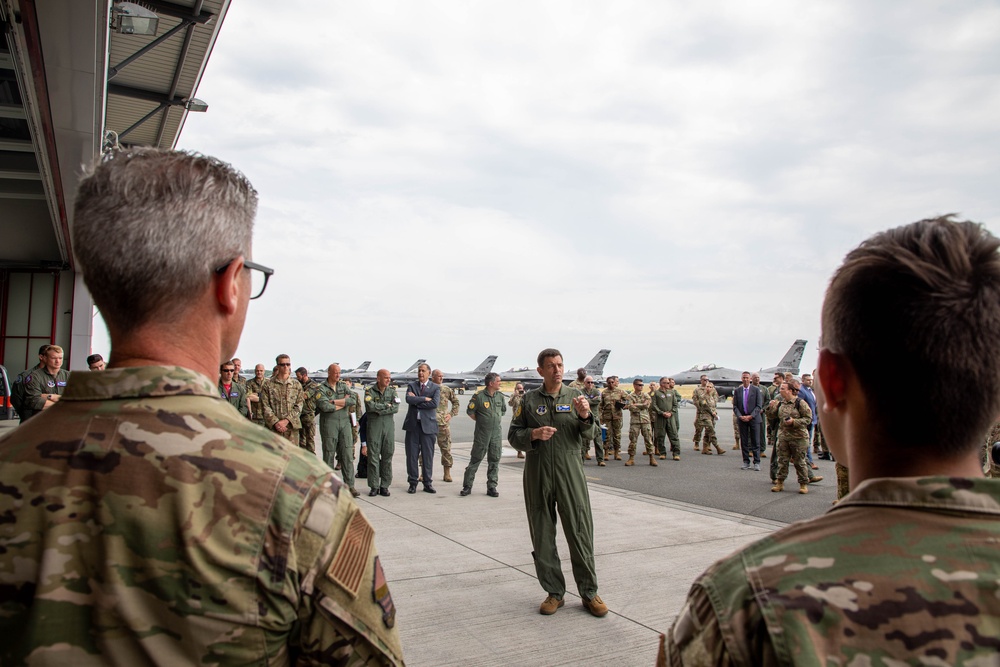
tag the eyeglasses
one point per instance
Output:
(228, 370)
(259, 276)
(285, 363)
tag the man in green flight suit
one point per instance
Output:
(381, 403)
(230, 390)
(665, 406)
(487, 407)
(333, 400)
(549, 426)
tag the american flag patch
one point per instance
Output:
(348, 566)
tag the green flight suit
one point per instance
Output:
(554, 481)
(486, 441)
(236, 396)
(381, 432)
(665, 401)
(335, 427)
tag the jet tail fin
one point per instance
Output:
(363, 367)
(486, 366)
(415, 364)
(596, 365)
(790, 362)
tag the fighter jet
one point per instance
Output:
(727, 379)
(361, 375)
(461, 381)
(530, 378)
(320, 375)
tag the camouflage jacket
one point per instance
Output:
(610, 398)
(515, 401)
(282, 400)
(40, 383)
(255, 386)
(309, 390)
(447, 398)
(991, 469)
(638, 406)
(593, 396)
(577, 384)
(798, 411)
(240, 380)
(705, 400)
(901, 571)
(144, 520)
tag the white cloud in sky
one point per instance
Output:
(674, 181)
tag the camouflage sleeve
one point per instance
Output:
(347, 615)
(771, 410)
(298, 402)
(266, 398)
(805, 415)
(454, 405)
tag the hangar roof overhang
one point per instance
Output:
(70, 86)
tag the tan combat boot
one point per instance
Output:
(720, 450)
(652, 460)
(631, 460)
(778, 487)
(618, 455)
(696, 448)
(447, 473)
(707, 451)
(803, 488)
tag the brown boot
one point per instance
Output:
(631, 460)
(520, 454)
(720, 450)
(763, 455)
(447, 473)
(652, 460)
(803, 488)
(706, 452)
(618, 455)
(586, 457)
(778, 487)
(696, 448)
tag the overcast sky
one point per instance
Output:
(673, 181)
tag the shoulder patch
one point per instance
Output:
(367, 398)
(321, 515)
(348, 566)
(472, 404)
(381, 594)
(541, 410)
(517, 413)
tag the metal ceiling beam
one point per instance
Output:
(12, 111)
(164, 8)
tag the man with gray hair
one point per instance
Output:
(420, 424)
(168, 527)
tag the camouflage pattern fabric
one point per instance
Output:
(612, 417)
(448, 404)
(255, 386)
(819, 442)
(144, 521)
(283, 399)
(736, 430)
(705, 400)
(900, 572)
(307, 436)
(843, 480)
(792, 439)
(515, 401)
(990, 468)
(638, 407)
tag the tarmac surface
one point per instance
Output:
(461, 574)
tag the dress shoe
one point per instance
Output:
(492, 492)
(354, 492)
(383, 492)
(596, 606)
(466, 490)
(550, 605)
(412, 489)
(373, 492)
(429, 489)
(520, 454)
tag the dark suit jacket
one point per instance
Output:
(755, 402)
(428, 418)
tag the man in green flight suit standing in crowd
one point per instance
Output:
(381, 403)
(550, 425)
(487, 407)
(333, 401)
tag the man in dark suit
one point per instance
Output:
(421, 428)
(748, 403)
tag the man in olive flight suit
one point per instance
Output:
(381, 403)
(665, 406)
(549, 426)
(333, 401)
(486, 408)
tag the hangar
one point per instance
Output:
(78, 78)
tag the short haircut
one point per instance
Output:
(425, 365)
(150, 226)
(52, 348)
(490, 377)
(41, 350)
(93, 359)
(278, 358)
(923, 300)
(302, 370)
(546, 353)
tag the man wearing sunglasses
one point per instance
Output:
(282, 399)
(230, 390)
(145, 520)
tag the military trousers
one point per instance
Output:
(666, 430)
(634, 430)
(792, 452)
(737, 436)
(598, 445)
(554, 482)
(614, 442)
(843, 481)
(381, 447)
(444, 443)
(338, 444)
(704, 430)
(290, 434)
(485, 443)
(307, 435)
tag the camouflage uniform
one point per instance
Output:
(736, 429)
(792, 440)
(448, 398)
(240, 380)
(990, 468)
(283, 400)
(665, 401)
(40, 383)
(307, 436)
(843, 480)
(612, 402)
(336, 438)
(638, 407)
(381, 434)
(255, 386)
(903, 571)
(773, 394)
(705, 401)
(236, 397)
(146, 522)
(594, 398)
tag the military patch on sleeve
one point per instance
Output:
(380, 591)
(563, 408)
(368, 398)
(486, 404)
(541, 410)
(348, 566)
(472, 405)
